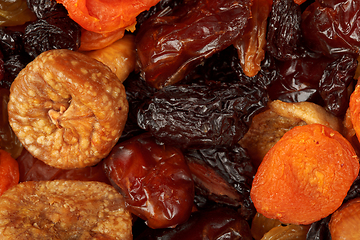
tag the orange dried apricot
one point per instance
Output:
(9, 171)
(305, 176)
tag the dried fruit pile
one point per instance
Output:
(209, 118)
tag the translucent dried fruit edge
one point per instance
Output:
(9, 171)
(305, 176)
(106, 16)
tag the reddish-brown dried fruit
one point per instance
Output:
(67, 109)
(64, 209)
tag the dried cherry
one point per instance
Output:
(173, 42)
(154, 179)
(202, 114)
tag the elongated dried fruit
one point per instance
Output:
(63, 209)
(67, 109)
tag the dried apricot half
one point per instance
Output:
(9, 171)
(67, 109)
(305, 176)
(64, 209)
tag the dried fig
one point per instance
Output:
(67, 109)
(64, 209)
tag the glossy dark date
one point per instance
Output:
(202, 114)
(331, 27)
(173, 42)
(154, 179)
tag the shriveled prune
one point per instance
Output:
(224, 175)
(334, 82)
(319, 230)
(55, 32)
(283, 36)
(67, 109)
(64, 209)
(154, 179)
(171, 43)
(11, 42)
(215, 224)
(331, 27)
(202, 114)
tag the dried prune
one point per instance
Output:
(67, 109)
(154, 179)
(334, 83)
(283, 36)
(11, 42)
(64, 209)
(319, 230)
(224, 175)
(202, 114)
(55, 32)
(215, 224)
(173, 42)
(331, 27)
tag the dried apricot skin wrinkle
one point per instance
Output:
(305, 176)
(67, 109)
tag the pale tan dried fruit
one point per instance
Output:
(67, 109)
(269, 126)
(64, 209)
(119, 56)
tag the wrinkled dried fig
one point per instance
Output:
(64, 209)
(67, 109)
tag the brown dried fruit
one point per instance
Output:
(67, 109)
(64, 209)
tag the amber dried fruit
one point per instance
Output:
(119, 56)
(67, 109)
(305, 176)
(64, 209)
(345, 222)
(261, 225)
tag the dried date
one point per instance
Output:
(173, 42)
(202, 114)
(154, 179)
(331, 27)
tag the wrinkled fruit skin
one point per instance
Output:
(203, 114)
(67, 109)
(170, 44)
(154, 179)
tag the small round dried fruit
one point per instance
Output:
(64, 209)
(67, 109)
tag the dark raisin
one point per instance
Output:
(55, 32)
(13, 65)
(202, 114)
(333, 85)
(11, 42)
(319, 230)
(283, 37)
(44, 8)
